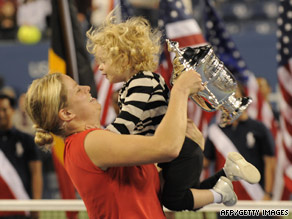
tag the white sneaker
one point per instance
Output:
(236, 168)
(225, 188)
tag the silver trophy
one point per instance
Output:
(220, 85)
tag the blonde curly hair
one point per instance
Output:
(132, 41)
(43, 101)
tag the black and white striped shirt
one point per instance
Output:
(143, 101)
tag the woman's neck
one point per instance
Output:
(73, 127)
(83, 127)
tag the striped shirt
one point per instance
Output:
(143, 101)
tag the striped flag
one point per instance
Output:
(105, 89)
(178, 25)
(11, 185)
(68, 55)
(284, 59)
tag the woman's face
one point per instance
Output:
(81, 103)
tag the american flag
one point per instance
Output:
(105, 89)
(284, 58)
(177, 24)
(223, 45)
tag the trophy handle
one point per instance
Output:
(229, 115)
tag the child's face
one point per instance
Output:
(109, 69)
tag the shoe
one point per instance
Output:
(225, 188)
(236, 168)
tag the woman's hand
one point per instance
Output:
(191, 81)
(195, 134)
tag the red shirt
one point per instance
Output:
(118, 192)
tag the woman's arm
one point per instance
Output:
(107, 149)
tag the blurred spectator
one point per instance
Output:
(266, 90)
(8, 25)
(83, 14)
(254, 142)
(23, 123)
(147, 9)
(8, 91)
(1, 82)
(21, 167)
(100, 10)
(34, 13)
(51, 187)
(21, 120)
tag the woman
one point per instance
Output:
(114, 177)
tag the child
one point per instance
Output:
(129, 52)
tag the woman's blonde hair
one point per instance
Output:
(133, 42)
(44, 98)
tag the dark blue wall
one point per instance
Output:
(259, 52)
(20, 64)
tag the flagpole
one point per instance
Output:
(69, 40)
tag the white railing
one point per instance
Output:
(78, 205)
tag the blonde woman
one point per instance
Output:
(114, 174)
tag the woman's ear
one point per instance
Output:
(66, 115)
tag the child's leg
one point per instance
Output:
(222, 192)
(211, 181)
(235, 168)
(180, 175)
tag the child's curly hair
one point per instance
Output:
(133, 42)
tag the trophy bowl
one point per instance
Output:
(220, 85)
